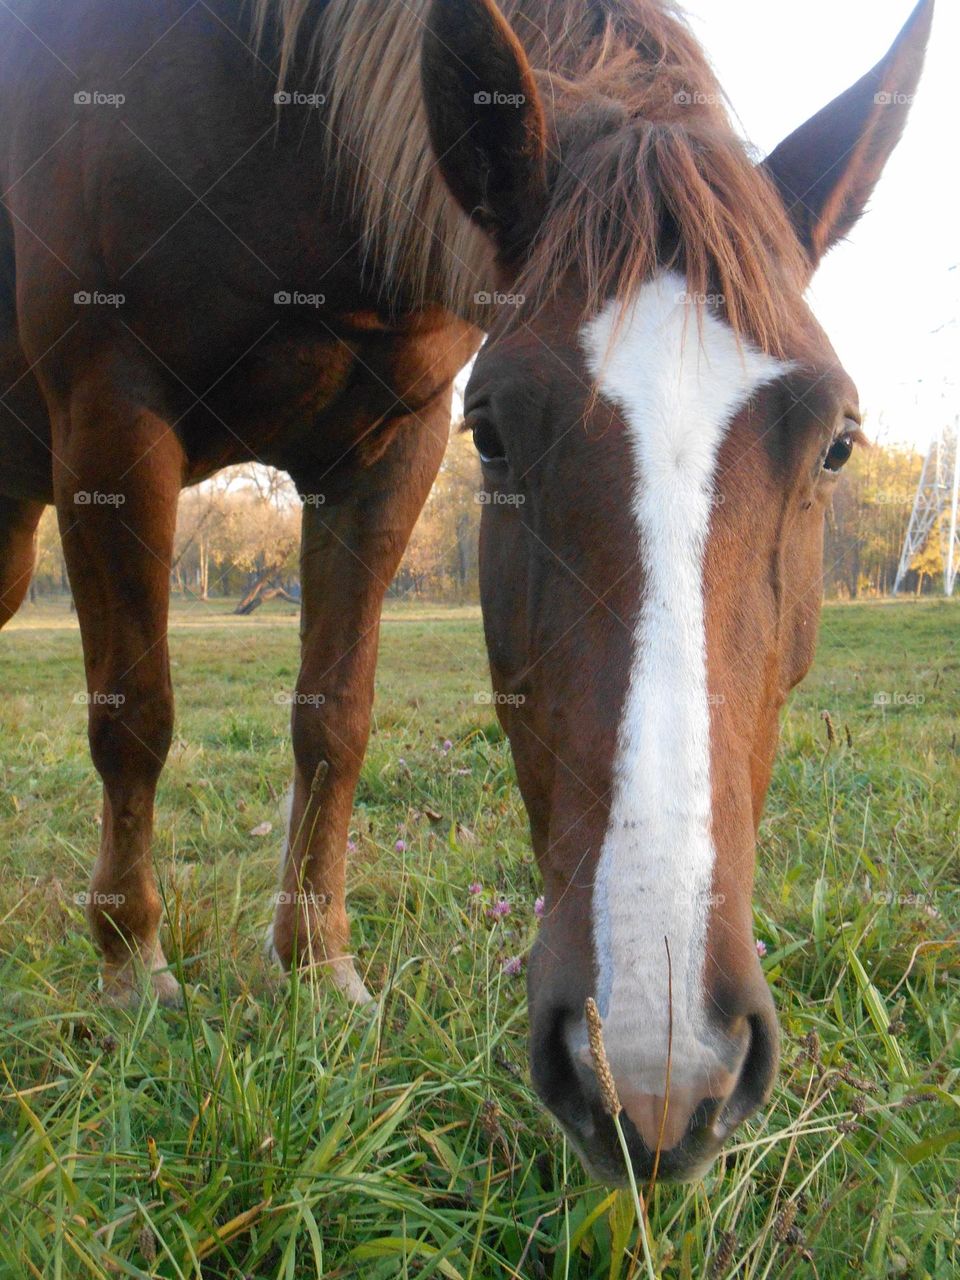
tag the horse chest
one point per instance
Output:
(294, 377)
(300, 399)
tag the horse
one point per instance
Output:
(274, 231)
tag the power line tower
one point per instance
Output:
(936, 501)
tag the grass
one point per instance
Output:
(268, 1130)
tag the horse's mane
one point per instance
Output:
(647, 170)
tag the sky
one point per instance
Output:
(889, 296)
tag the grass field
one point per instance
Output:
(269, 1131)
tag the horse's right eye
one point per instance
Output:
(842, 446)
(488, 444)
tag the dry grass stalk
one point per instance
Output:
(666, 1089)
(724, 1255)
(598, 1054)
(784, 1221)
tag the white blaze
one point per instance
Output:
(678, 381)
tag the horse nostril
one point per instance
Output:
(757, 1073)
(665, 1123)
(709, 1094)
(700, 1112)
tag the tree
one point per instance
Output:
(50, 569)
(441, 559)
(239, 530)
(238, 534)
(867, 519)
(928, 562)
(201, 516)
(262, 541)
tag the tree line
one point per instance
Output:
(238, 534)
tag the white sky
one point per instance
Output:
(882, 294)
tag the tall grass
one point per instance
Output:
(268, 1129)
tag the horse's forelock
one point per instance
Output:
(663, 180)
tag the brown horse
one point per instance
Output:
(276, 235)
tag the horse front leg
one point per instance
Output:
(350, 551)
(18, 537)
(117, 476)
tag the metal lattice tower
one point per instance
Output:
(936, 501)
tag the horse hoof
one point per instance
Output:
(349, 983)
(125, 986)
(342, 973)
(167, 990)
(270, 951)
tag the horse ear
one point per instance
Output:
(485, 120)
(826, 170)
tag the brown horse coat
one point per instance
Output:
(225, 240)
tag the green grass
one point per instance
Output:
(269, 1131)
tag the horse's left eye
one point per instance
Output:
(488, 444)
(842, 447)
